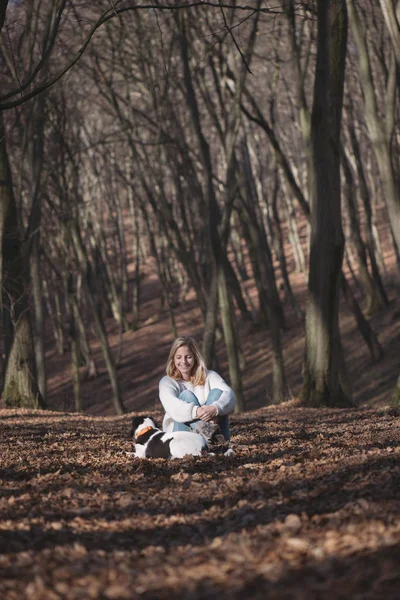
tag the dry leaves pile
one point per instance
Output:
(309, 507)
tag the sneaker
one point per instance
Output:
(229, 452)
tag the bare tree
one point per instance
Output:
(324, 374)
(380, 130)
(20, 381)
(391, 13)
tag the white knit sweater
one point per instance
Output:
(181, 411)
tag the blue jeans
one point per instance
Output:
(223, 421)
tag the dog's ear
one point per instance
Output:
(136, 421)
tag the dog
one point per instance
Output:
(151, 442)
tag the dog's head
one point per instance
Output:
(140, 423)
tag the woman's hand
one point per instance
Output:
(207, 412)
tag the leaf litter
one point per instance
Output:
(307, 507)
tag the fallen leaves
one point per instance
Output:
(311, 497)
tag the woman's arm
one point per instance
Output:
(227, 401)
(177, 409)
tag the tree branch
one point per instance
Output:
(106, 16)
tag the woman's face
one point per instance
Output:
(184, 362)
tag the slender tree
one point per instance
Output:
(391, 13)
(380, 130)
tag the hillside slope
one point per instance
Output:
(144, 352)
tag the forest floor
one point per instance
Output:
(307, 508)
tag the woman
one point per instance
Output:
(192, 396)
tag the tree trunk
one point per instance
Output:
(370, 293)
(53, 316)
(251, 239)
(88, 282)
(161, 272)
(249, 201)
(364, 328)
(294, 238)
(108, 275)
(236, 244)
(133, 211)
(20, 381)
(280, 250)
(391, 13)
(33, 237)
(271, 312)
(380, 132)
(210, 321)
(37, 293)
(74, 336)
(324, 373)
(236, 289)
(375, 256)
(231, 341)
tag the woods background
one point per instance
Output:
(229, 171)
(223, 170)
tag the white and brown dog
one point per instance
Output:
(151, 442)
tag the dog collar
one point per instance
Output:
(145, 430)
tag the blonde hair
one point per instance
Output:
(198, 376)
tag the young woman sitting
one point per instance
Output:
(192, 396)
